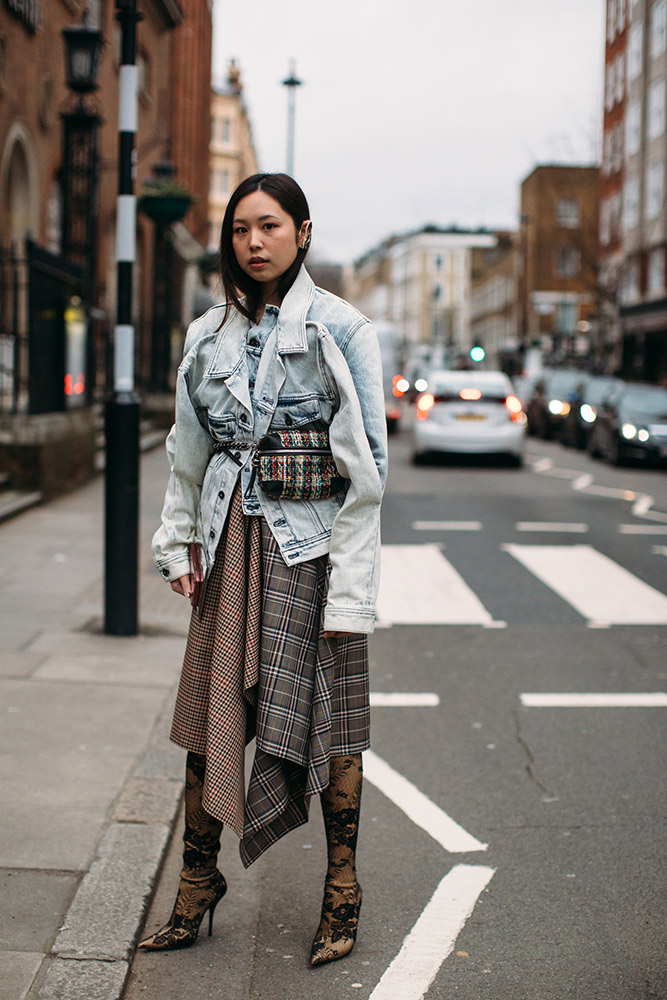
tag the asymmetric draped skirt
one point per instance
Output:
(257, 665)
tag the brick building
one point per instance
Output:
(174, 59)
(558, 280)
(493, 301)
(232, 151)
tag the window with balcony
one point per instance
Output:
(658, 27)
(633, 127)
(635, 48)
(631, 204)
(656, 108)
(656, 271)
(568, 213)
(655, 184)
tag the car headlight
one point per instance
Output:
(555, 406)
(629, 431)
(588, 413)
(642, 434)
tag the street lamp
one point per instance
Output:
(83, 46)
(292, 82)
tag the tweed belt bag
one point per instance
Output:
(297, 465)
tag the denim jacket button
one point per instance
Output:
(211, 534)
(288, 420)
(165, 572)
(221, 494)
(243, 418)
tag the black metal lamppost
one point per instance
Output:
(292, 82)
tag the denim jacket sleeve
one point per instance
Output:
(189, 448)
(358, 438)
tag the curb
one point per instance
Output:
(91, 956)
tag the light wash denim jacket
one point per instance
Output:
(322, 362)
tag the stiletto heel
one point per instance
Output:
(337, 932)
(194, 900)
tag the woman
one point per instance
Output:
(278, 647)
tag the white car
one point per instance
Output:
(469, 412)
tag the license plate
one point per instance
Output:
(470, 416)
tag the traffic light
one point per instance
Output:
(477, 352)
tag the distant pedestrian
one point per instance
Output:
(278, 459)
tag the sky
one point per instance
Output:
(416, 112)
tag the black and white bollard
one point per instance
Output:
(121, 534)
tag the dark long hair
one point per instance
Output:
(292, 200)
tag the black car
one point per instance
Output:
(578, 424)
(554, 396)
(634, 426)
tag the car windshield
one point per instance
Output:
(650, 400)
(565, 382)
(600, 389)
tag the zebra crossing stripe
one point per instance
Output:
(419, 586)
(433, 936)
(596, 586)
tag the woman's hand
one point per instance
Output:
(339, 635)
(182, 586)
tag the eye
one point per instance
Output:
(239, 230)
(270, 225)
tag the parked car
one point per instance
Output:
(469, 412)
(395, 386)
(578, 424)
(555, 394)
(633, 426)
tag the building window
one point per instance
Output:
(606, 153)
(633, 127)
(605, 222)
(631, 204)
(611, 20)
(635, 47)
(658, 28)
(568, 213)
(630, 283)
(656, 271)
(655, 182)
(567, 262)
(226, 130)
(656, 108)
(609, 86)
(620, 76)
(620, 16)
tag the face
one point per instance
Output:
(264, 238)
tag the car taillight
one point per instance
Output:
(514, 406)
(424, 404)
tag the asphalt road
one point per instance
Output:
(507, 850)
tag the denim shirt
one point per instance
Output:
(320, 362)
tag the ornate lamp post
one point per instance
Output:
(83, 46)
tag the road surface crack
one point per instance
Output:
(530, 757)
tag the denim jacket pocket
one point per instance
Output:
(295, 412)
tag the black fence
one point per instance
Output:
(44, 343)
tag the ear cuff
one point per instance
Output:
(305, 236)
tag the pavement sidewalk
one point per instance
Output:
(90, 784)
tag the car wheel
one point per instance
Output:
(515, 461)
(419, 458)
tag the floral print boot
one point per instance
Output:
(341, 801)
(202, 886)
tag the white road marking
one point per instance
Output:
(582, 482)
(433, 936)
(643, 529)
(596, 586)
(574, 528)
(659, 550)
(642, 505)
(655, 699)
(410, 699)
(542, 464)
(420, 587)
(418, 807)
(446, 525)
(611, 491)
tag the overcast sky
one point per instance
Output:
(416, 111)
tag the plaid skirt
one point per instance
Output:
(256, 665)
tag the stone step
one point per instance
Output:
(13, 502)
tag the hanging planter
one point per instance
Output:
(164, 202)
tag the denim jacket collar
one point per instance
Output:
(229, 350)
